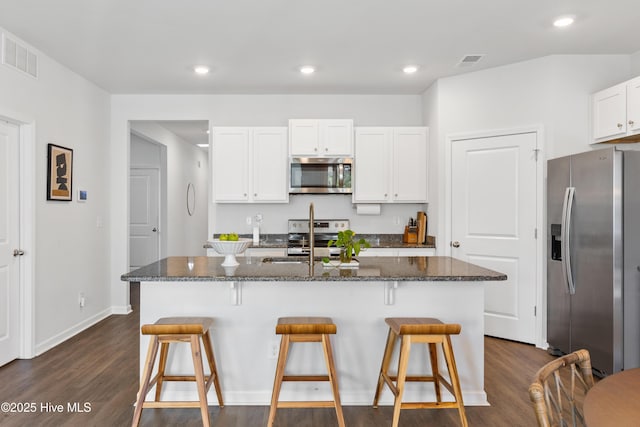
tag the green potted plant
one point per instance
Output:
(348, 245)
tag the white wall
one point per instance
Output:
(635, 64)
(186, 163)
(551, 91)
(71, 253)
(237, 110)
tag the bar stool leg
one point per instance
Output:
(384, 368)
(199, 374)
(403, 362)
(433, 356)
(164, 349)
(146, 378)
(333, 378)
(208, 348)
(455, 381)
(277, 384)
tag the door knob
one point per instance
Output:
(18, 252)
(154, 229)
(455, 244)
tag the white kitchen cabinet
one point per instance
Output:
(616, 111)
(394, 252)
(330, 137)
(250, 165)
(391, 165)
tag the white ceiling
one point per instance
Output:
(358, 46)
(191, 131)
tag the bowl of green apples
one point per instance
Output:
(230, 245)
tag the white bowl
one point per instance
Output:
(229, 248)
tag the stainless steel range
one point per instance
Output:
(324, 230)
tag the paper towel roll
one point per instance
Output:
(368, 209)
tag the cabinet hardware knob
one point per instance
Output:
(455, 244)
(326, 149)
(395, 195)
(631, 122)
(385, 194)
(315, 149)
(245, 194)
(18, 252)
(619, 125)
(255, 194)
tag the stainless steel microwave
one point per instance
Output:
(315, 175)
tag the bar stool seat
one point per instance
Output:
(431, 332)
(305, 329)
(172, 330)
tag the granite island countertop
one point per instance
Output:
(371, 269)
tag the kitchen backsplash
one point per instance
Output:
(392, 218)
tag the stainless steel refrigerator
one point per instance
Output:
(593, 257)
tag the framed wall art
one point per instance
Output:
(59, 173)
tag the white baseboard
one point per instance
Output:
(72, 331)
(121, 309)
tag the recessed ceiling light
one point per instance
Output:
(307, 69)
(410, 69)
(202, 145)
(201, 69)
(563, 21)
(207, 131)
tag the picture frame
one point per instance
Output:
(59, 173)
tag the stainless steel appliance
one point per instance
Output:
(593, 259)
(314, 175)
(324, 230)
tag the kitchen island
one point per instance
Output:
(247, 300)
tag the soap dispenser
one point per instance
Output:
(257, 220)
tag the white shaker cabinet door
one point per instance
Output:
(610, 112)
(372, 180)
(633, 105)
(336, 137)
(230, 161)
(270, 163)
(410, 166)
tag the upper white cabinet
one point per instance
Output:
(616, 111)
(321, 137)
(250, 164)
(391, 165)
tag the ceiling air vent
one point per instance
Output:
(470, 60)
(19, 57)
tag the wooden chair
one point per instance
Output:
(431, 332)
(305, 329)
(559, 388)
(171, 330)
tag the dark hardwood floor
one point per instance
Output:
(100, 367)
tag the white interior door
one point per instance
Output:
(9, 242)
(144, 217)
(493, 224)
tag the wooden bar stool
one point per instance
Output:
(305, 329)
(431, 332)
(170, 330)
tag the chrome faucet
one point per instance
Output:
(311, 239)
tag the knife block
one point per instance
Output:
(410, 235)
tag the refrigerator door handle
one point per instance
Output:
(567, 207)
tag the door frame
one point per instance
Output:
(26, 268)
(541, 311)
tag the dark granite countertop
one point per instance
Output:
(371, 269)
(376, 241)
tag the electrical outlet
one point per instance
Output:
(81, 299)
(396, 220)
(274, 348)
(248, 220)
